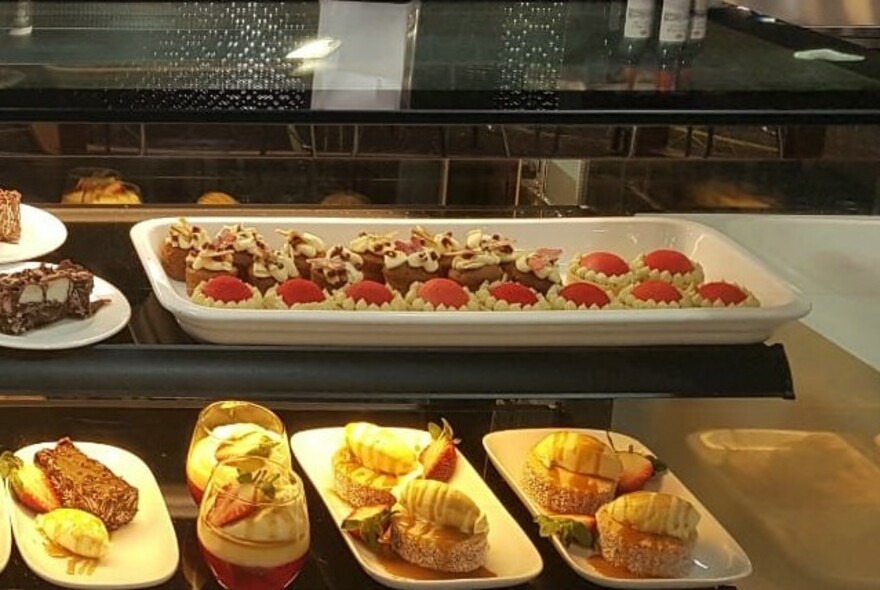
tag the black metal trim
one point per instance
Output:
(113, 371)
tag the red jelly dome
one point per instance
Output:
(514, 293)
(671, 260)
(611, 265)
(443, 292)
(727, 293)
(585, 294)
(227, 289)
(369, 291)
(658, 291)
(294, 291)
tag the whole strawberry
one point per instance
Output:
(29, 483)
(440, 457)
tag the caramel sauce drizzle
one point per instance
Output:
(76, 564)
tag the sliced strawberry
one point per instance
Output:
(727, 293)
(514, 293)
(29, 483)
(232, 503)
(610, 265)
(637, 470)
(657, 291)
(227, 288)
(369, 524)
(670, 260)
(439, 458)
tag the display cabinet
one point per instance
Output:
(115, 113)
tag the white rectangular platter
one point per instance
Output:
(512, 557)
(720, 257)
(718, 559)
(142, 553)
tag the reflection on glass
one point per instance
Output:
(231, 429)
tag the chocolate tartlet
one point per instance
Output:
(408, 263)
(206, 263)
(182, 237)
(444, 244)
(245, 243)
(338, 268)
(372, 248)
(302, 247)
(538, 269)
(270, 269)
(472, 268)
(495, 244)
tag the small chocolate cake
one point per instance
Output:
(34, 297)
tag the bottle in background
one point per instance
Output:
(671, 38)
(694, 44)
(638, 23)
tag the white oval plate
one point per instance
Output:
(143, 553)
(41, 233)
(718, 559)
(73, 333)
(511, 556)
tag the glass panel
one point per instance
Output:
(523, 60)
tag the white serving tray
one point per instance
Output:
(718, 559)
(142, 553)
(721, 259)
(5, 534)
(512, 557)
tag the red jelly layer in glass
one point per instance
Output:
(237, 577)
(196, 492)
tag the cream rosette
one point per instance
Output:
(579, 274)
(700, 301)
(273, 300)
(346, 303)
(559, 303)
(628, 300)
(255, 301)
(684, 281)
(489, 302)
(415, 303)
(186, 236)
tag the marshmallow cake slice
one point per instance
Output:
(370, 464)
(439, 527)
(651, 534)
(571, 473)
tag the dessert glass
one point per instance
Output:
(253, 524)
(229, 429)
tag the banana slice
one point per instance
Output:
(77, 531)
(579, 453)
(443, 505)
(379, 448)
(653, 512)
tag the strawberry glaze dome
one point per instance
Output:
(606, 269)
(670, 266)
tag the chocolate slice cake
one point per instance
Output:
(10, 216)
(86, 484)
(34, 297)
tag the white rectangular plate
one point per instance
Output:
(718, 559)
(720, 257)
(511, 555)
(143, 553)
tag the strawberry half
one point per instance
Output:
(29, 483)
(369, 524)
(440, 457)
(233, 503)
(638, 468)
